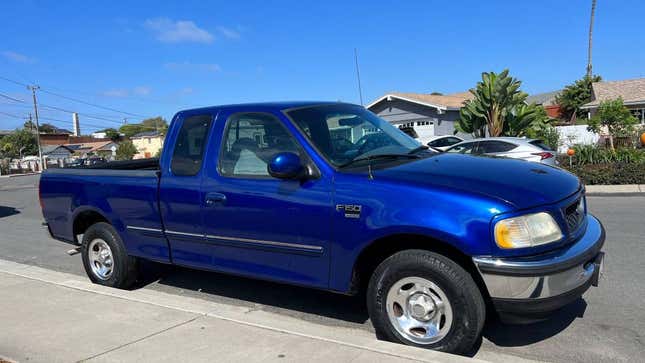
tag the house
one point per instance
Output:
(632, 91)
(64, 138)
(55, 152)
(98, 148)
(422, 114)
(147, 143)
(548, 101)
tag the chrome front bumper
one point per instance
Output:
(536, 285)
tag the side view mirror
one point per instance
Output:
(286, 165)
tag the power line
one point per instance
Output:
(75, 99)
(11, 98)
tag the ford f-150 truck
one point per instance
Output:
(328, 195)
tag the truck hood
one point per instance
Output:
(522, 184)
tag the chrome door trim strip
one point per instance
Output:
(184, 233)
(144, 229)
(269, 243)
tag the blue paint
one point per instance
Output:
(292, 230)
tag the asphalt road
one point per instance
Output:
(608, 324)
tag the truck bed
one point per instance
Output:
(139, 164)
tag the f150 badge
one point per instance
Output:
(350, 210)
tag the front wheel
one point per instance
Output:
(424, 299)
(105, 258)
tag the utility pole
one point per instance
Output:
(593, 12)
(33, 89)
(358, 76)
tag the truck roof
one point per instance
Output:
(275, 106)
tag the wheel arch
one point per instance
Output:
(382, 248)
(84, 218)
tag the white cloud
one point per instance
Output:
(17, 57)
(116, 93)
(170, 31)
(142, 90)
(189, 66)
(124, 92)
(228, 32)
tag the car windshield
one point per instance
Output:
(346, 133)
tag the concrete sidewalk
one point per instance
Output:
(49, 316)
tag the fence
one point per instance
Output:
(575, 134)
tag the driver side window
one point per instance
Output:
(250, 142)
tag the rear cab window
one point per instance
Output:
(540, 144)
(188, 154)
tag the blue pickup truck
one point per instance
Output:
(329, 196)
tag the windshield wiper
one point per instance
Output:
(417, 149)
(379, 156)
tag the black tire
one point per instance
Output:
(468, 307)
(124, 268)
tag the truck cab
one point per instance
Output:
(327, 195)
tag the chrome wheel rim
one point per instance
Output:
(101, 259)
(419, 310)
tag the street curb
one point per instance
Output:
(356, 338)
(615, 190)
(17, 175)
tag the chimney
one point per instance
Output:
(77, 126)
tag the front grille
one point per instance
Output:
(574, 215)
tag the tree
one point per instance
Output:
(150, 124)
(615, 117)
(112, 133)
(47, 129)
(19, 143)
(526, 120)
(575, 95)
(495, 97)
(126, 151)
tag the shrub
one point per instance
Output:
(609, 173)
(590, 154)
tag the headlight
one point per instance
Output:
(527, 231)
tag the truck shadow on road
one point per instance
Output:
(346, 310)
(7, 211)
(221, 287)
(504, 335)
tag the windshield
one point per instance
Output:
(343, 133)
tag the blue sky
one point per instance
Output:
(155, 57)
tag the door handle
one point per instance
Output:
(214, 198)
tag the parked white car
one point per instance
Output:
(443, 142)
(511, 147)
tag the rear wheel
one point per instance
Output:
(424, 299)
(105, 259)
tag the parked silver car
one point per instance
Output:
(443, 142)
(511, 147)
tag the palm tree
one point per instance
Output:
(593, 11)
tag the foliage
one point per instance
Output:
(575, 95)
(496, 95)
(526, 120)
(616, 117)
(591, 154)
(47, 129)
(125, 151)
(548, 134)
(609, 173)
(151, 124)
(112, 134)
(11, 144)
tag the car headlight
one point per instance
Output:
(527, 231)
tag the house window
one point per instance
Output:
(639, 113)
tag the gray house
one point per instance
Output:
(427, 114)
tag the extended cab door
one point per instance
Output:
(180, 196)
(258, 225)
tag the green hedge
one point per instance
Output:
(609, 173)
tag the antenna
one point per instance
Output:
(358, 76)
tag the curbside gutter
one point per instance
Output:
(615, 190)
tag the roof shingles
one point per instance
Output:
(632, 91)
